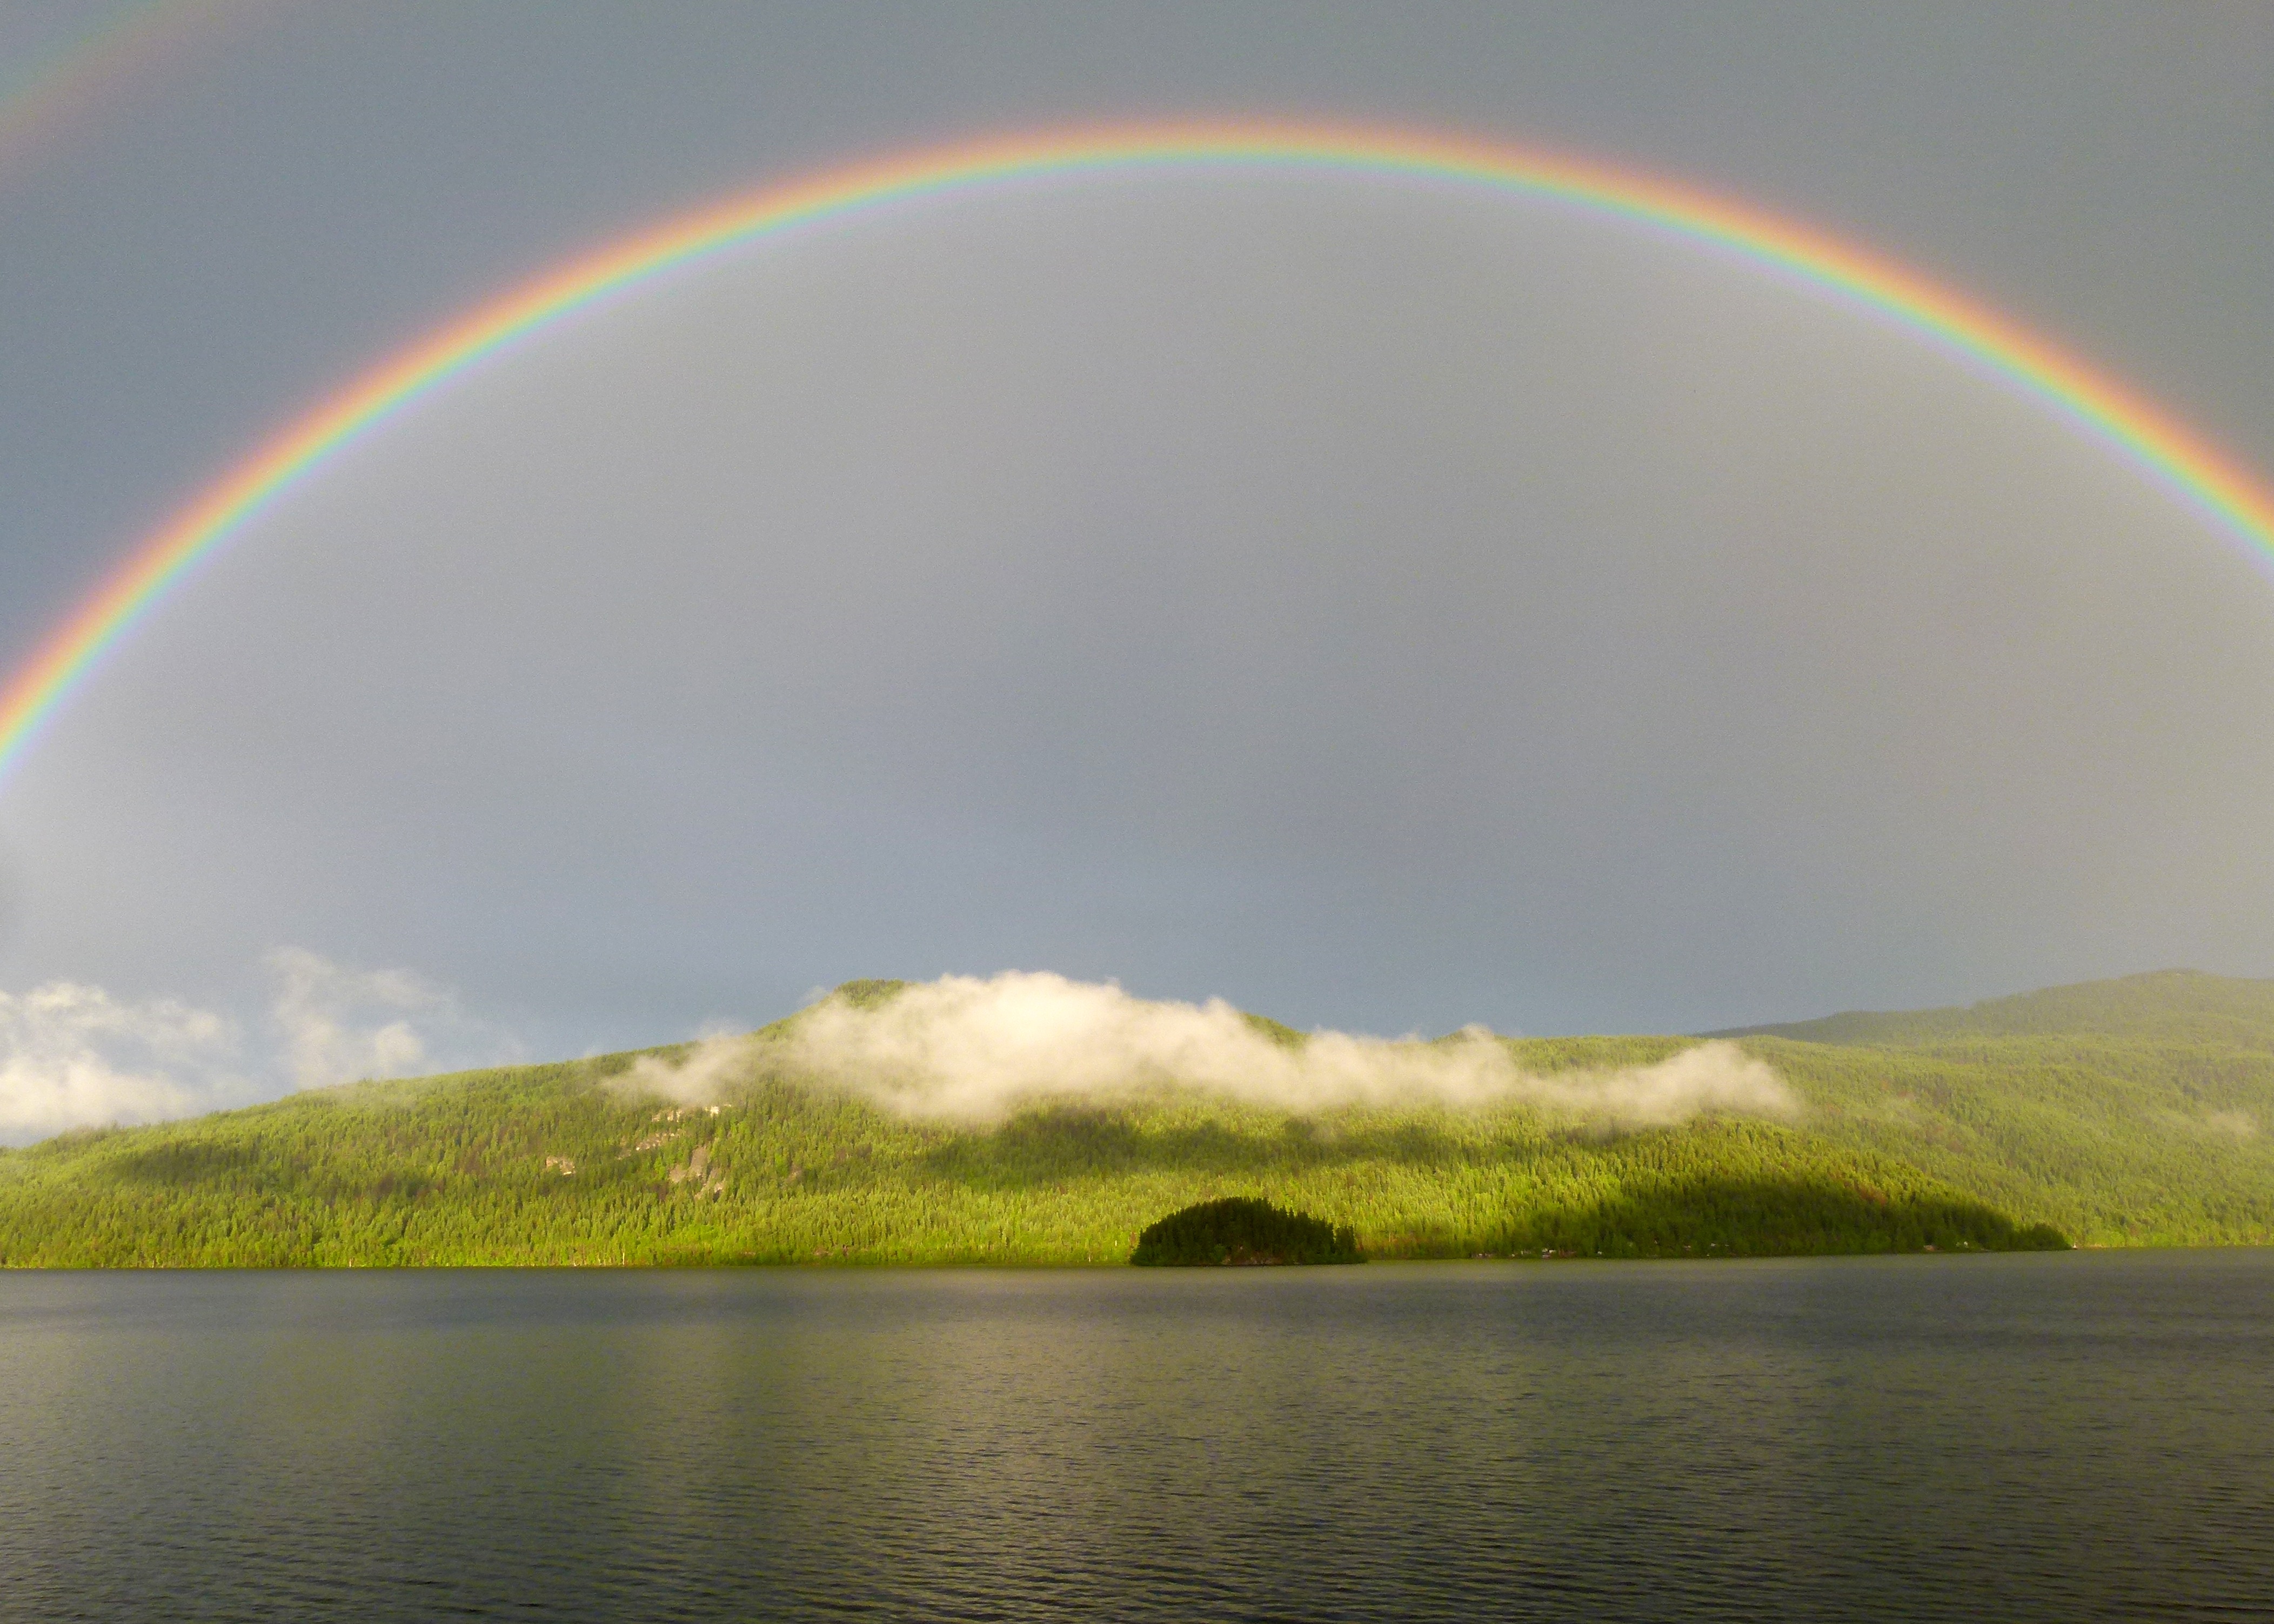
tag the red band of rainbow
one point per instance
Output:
(2158, 445)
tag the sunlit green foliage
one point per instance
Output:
(1956, 1139)
(2137, 1111)
(552, 1164)
(2182, 1007)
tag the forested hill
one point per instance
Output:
(2163, 1006)
(2143, 1120)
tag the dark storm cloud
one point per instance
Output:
(1385, 609)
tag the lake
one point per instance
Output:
(2062, 1437)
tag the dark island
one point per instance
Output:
(1240, 1230)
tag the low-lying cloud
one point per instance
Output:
(336, 1026)
(2233, 1124)
(73, 1055)
(980, 1049)
(705, 1073)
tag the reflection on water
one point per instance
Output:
(2016, 1437)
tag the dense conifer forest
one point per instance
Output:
(1238, 1231)
(2128, 1113)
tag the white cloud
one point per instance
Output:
(337, 1025)
(961, 1047)
(73, 1056)
(957, 1047)
(704, 1073)
(2238, 1124)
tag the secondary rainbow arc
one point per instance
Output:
(2176, 457)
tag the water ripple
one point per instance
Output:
(2018, 1437)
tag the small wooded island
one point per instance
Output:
(1240, 1230)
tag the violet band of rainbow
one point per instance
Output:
(2158, 445)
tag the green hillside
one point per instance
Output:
(2136, 1111)
(2162, 1007)
(2139, 1123)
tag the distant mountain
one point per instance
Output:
(2163, 1006)
(2138, 1111)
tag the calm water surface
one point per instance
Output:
(2011, 1438)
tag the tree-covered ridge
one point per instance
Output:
(2161, 1006)
(2135, 1112)
(1967, 1142)
(551, 1164)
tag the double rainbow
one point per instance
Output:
(2158, 445)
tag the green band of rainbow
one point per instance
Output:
(2156, 444)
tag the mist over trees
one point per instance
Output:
(1973, 1132)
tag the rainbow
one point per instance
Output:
(2156, 444)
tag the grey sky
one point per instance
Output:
(1379, 608)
